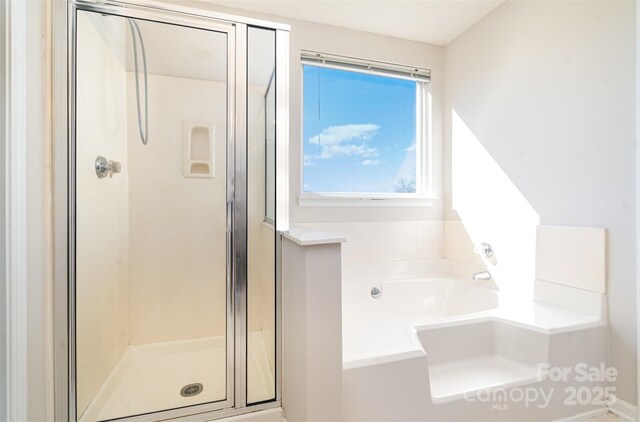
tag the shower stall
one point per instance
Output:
(176, 192)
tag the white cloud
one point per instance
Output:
(334, 135)
(412, 148)
(370, 162)
(361, 150)
(307, 160)
(341, 140)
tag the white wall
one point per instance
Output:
(177, 279)
(547, 89)
(102, 212)
(39, 214)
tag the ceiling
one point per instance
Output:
(435, 22)
(184, 52)
(180, 51)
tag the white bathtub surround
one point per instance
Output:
(409, 270)
(453, 340)
(304, 236)
(312, 323)
(573, 256)
(513, 260)
(455, 379)
(577, 300)
(396, 270)
(471, 358)
(382, 328)
(384, 241)
(428, 389)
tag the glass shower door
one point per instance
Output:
(261, 219)
(153, 325)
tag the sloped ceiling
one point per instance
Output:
(435, 22)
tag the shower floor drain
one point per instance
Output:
(190, 390)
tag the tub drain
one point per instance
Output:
(191, 390)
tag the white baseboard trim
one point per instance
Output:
(585, 415)
(267, 415)
(620, 408)
(624, 410)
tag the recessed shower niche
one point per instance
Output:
(199, 147)
(173, 281)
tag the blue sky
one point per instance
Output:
(359, 131)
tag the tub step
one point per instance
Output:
(464, 378)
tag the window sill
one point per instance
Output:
(319, 200)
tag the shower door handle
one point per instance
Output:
(229, 241)
(229, 216)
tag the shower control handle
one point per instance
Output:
(114, 167)
(106, 168)
(484, 250)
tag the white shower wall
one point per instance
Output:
(261, 240)
(177, 259)
(177, 235)
(102, 218)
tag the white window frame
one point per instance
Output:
(424, 191)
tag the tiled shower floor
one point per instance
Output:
(149, 377)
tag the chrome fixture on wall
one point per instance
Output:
(482, 275)
(484, 249)
(106, 168)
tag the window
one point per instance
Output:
(364, 132)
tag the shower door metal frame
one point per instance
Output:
(199, 24)
(64, 14)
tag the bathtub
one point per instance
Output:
(428, 342)
(375, 329)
